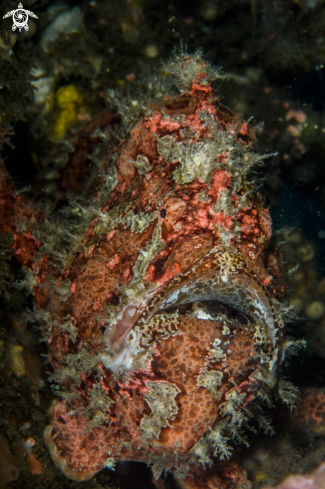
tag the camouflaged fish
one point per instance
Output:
(156, 287)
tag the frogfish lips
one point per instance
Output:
(207, 292)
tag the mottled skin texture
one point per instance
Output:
(146, 371)
(179, 359)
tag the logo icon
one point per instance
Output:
(20, 18)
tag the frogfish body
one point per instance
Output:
(158, 290)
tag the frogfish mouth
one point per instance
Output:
(206, 290)
(159, 287)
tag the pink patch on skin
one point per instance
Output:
(137, 383)
(202, 219)
(28, 236)
(110, 235)
(210, 108)
(150, 277)
(170, 273)
(227, 222)
(244, 131)
(175, 208)
(113, 261)
(169, 125)
(267, 280)
(126, 275)
(197, 87)
(153, 122)
(222, 157)
(73, 287)
(221, 180)
(90, 250)
(124, 393)
(249, 224)
(157, 122)
(196, 124)
(96, 305)
(90, 233)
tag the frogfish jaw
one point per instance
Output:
(204, 281)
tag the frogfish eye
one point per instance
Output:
(163, 213)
